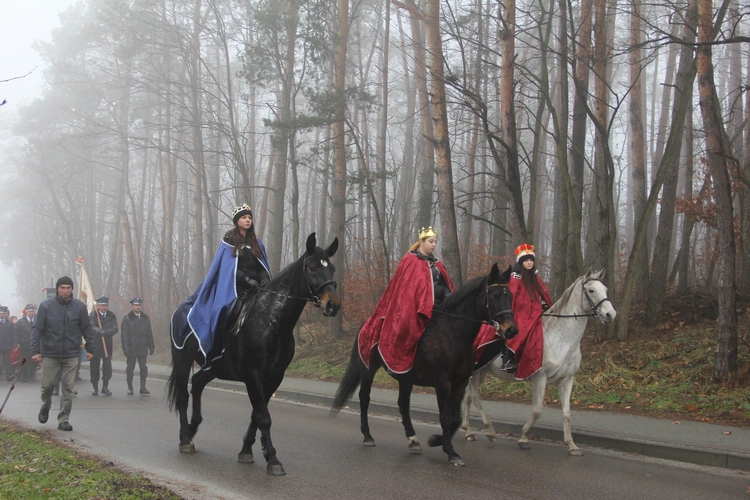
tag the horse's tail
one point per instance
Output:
(172, 388)
(351, 380)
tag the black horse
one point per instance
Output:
(444, 358)
(261, 350)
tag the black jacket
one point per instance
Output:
(23, 334)
(58, 328)
(137, 337)
(104, 334)
(8, 339)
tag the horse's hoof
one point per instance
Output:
(435, 440)
(415, 447)
(492, 439)
(575, 453)
(245, 458)
(369, 442)
(471, 437)
(456, 462)
(187, 448)
(524, 446)
(275, 470)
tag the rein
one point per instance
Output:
(594, 307)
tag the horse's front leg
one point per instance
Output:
(473, 395)
(449, 404)
(404, 403)
(262, 419)
(245, 455)
(199, 382)
(538, 384)
(565, 388)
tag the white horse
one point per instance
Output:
(564, 324)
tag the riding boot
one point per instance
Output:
(508, 361)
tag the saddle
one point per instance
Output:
(235, 317)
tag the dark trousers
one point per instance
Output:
(131, 368)
(10, 372)
(106, 370)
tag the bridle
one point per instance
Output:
(314, 293)
(488, 305)
(594, 306)
(314, 298)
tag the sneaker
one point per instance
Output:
(130, 391)
(43, 415)
(65, 426)
(106, 391)
(144, 391)
(96, 391)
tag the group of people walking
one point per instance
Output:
(57, 333)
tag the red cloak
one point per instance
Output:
(401, 315)
(529, 343)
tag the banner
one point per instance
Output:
(85, 290)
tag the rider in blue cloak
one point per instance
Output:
(239, 269)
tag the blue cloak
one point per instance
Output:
(203, 313)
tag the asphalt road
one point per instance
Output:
(324, 457)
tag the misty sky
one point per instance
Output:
(21, 22)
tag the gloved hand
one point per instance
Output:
(151, 352)
(251, 282)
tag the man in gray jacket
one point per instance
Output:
(56, 343)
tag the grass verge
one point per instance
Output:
(34, 465)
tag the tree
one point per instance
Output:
(717, 152)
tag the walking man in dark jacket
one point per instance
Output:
(104, 325)
(8, 342)
(137, 342)
(56, 343)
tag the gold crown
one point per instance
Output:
(427, 233)
(242, 208)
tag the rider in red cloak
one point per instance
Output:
(405, 308)
(530, 300)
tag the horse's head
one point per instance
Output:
(319, 276)
(500, 300)
(596, 296)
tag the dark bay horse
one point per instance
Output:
(444, 358)
(261, 350)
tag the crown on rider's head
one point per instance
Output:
(427, 233)
(238, 212)
(525, 250)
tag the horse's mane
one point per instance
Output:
(564, 298)
(459, 295)
(282, 274)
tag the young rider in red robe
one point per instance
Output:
(395, 327)
(523, 353)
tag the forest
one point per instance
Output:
(610, 134)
